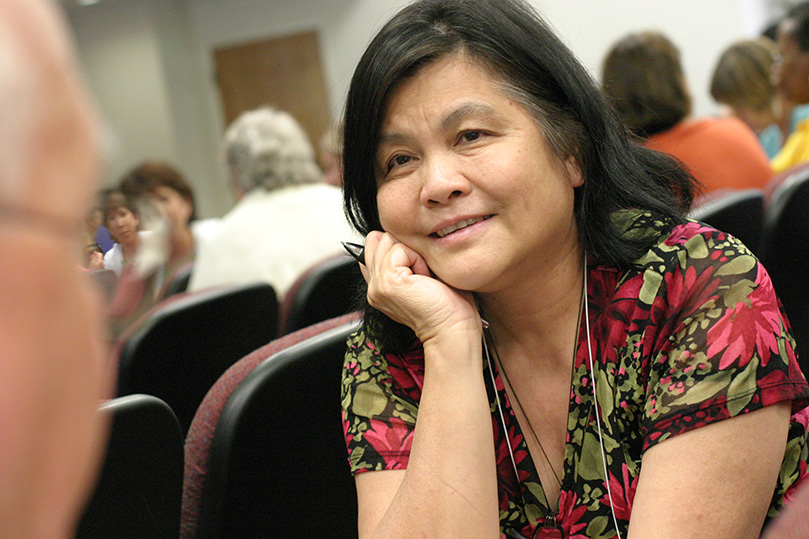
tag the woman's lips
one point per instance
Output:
(459, 225)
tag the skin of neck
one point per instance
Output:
(131, 247)
(537, 314)
(181, 244)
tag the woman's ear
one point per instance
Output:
(574, 174)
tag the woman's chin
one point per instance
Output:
(466, 279)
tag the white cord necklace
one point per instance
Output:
(595, 400)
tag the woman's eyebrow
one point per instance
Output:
(450, 120)
(391, 138)
(467, 110)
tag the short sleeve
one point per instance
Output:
(380, 395)
(729, 350)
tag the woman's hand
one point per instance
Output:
(401, 285)
(96, 261)
(453, 409)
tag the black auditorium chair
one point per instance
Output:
(785, 253)
(327, 289)
(187, 341)
(737, 212)
(265, 455)
(139, 488)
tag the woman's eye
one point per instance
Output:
(470, 136)
(398, 161)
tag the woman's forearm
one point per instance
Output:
(450, 486)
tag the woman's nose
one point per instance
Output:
(443, 180)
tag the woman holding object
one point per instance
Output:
(578, 355)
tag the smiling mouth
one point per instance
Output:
(458, 226)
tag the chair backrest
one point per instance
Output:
(186, 342)
(785, 253)
(737, 212)
(139, 489)
(265, 455)
(776, 181)
(326, 290)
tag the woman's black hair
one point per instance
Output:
(511, 40)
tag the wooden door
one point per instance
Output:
(283, 72)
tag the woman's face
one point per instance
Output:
(466, 178)
(123, 225)
(793, 71)
(173, 206)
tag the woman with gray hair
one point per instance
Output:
(286, 218)
(266, 148)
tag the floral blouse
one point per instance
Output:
(690, 334)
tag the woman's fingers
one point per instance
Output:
(401, 285)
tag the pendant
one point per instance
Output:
(548, 533)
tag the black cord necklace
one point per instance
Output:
(517, 398)
(551, 520)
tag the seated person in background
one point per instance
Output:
(122, 219)
(93, 222)
(644, 80)
(286, 217)
(634, 376)
(52, 368)
(165, 187)
(95, 236)
(96, 231)
(744, 81)
(793, 82)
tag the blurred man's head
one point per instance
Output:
(44, 110)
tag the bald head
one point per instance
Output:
(48, 159)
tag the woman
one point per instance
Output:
(744, 81)
(171, 194)
(494, 184)
(644, 80)
(122, 219)
(793, 82)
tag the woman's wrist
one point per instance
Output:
(453, 349)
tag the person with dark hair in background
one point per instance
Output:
(95, 236)
(550, 349)
(643, 79)
(163, 186)
(793, 82)
(122, 219)
(286, 218)
(53, 376)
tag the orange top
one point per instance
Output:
(719, 152)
